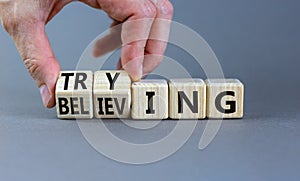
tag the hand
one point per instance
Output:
(25, 22)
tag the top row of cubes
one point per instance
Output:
(111, 94)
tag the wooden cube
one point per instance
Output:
(225, 98)
(74, 95)
(150, 99)
(187, 99)
(112, 94)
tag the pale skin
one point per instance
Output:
(25, 21)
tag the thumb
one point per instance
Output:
(35, 49)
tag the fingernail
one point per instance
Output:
(45, 94)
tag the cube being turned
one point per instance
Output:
(112, 94)
(225, 98)
(150, 99)
(74, 95)
(187, 99)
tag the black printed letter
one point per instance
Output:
(67, 75)
(112, 80)
(63, 106)
(182, 96)
(232, 104)
(80, 81)
(150, 96)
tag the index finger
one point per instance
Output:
(137, 16)
(159, 35)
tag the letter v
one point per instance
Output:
(120, 109)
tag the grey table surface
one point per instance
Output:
(255, 41)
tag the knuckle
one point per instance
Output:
(16, 25)
(10, 18)
(170, 8)
(147, 11)
(33, 67)
(10, 24)
(166, 8)
(16, 22)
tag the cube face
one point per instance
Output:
(112, 94)
(187, 99)
(74, 96)
(111, 80)
(225, 98)
(150, 99)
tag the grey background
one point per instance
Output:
(256, 41)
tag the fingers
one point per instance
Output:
(41, 64)
(145, 32)
(25, 22)
(109, 42)
(159, 35)
(34, 47)
(137, 27)
(137, 16)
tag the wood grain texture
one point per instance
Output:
(225, 98)
(150, 99)
(74, 95)
(187, 99)
(112, 94)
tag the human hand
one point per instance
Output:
(25, 22)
